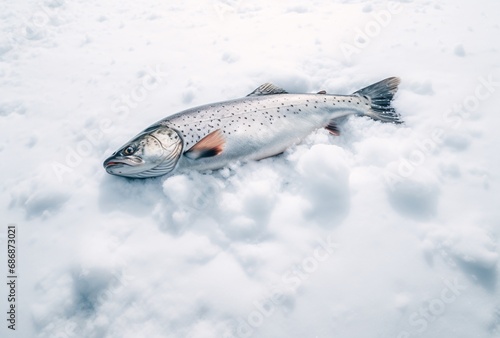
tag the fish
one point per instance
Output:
(262, 124)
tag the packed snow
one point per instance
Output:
(384, 231)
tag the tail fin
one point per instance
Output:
(380, 96)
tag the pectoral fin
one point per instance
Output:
(211, 145)
(333, 128)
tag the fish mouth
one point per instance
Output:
(114, 162)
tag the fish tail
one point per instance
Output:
(380, 95)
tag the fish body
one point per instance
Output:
(260, 125)
(257, 127)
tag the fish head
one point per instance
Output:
(154, 152)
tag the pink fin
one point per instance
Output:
(211, 145)
(333, 128)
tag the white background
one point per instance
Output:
(409, 214)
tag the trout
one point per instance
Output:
(264, 123)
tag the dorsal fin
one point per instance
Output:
(321, 92)
(267, 89)
(211, 145)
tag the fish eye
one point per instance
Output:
(129, 150)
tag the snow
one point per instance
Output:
(384, 231)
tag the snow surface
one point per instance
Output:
(385, 231)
